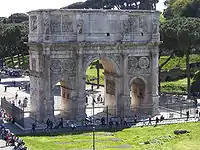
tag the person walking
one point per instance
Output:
(33, 127)
(157, 120)
(187, 114)
(197, 113)
(16, 95)
(149, 123)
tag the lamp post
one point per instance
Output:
(93, 126)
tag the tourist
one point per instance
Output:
(5, 90)
(110, 123)
(187, 114)
(33, 127)
(86, 99)
(92, 87)
(48, 123)
(149, 121)
(116, 124)
(103, 121)
(135, 119)
(61, 122)
(157, 121)
(125, 121)
(19, 102)
(73, 126)
(16, 95)
(197, 113)
(161, 118)
(51, 124)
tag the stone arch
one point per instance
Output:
(105, 60)
(138, 91)
(61, 90)
(111, 79)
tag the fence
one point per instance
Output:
(170, 109)
(16, 113)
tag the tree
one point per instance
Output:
(182, 8)
(181, 36)
(110, 4)
(11, 42)
(17, 18)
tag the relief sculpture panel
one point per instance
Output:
(55, 24)
(143, 24)
(155, 26)
(110, 87)
(130, 25)
(56, 66)
(67, 25)
(33, 23)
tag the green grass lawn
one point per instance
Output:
(92, 73)
(179, 86)
(180, 61)
(159, 138)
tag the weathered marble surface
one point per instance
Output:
(63, 43)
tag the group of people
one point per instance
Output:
(124, 122)
(10, 138)
(50, 125)
(19, 102)
(98, 100)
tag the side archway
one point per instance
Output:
(138, 92)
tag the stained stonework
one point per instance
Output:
(55, 24)
(144, 62)
(110, 87)
(67, 24)
(33, 23)
(138, 65)
(131, 24)
(63, 43)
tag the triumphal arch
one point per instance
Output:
(62, 43)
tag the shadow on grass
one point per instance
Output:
(76, 132)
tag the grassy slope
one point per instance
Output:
(131, 136)
(178, 61)
(179, 86)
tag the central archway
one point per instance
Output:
(111, 84)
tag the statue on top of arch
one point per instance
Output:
(114, 4)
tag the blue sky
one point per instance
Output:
(22, 6)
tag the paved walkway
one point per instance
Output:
(4, 147)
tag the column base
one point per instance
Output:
(156, 105)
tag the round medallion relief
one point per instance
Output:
(132, 63)
(56, 65)
(69, 64)
(144, 62)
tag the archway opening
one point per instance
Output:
(101, 87)
(61, 96)
(138, 93)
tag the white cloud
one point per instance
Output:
(8, 7)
